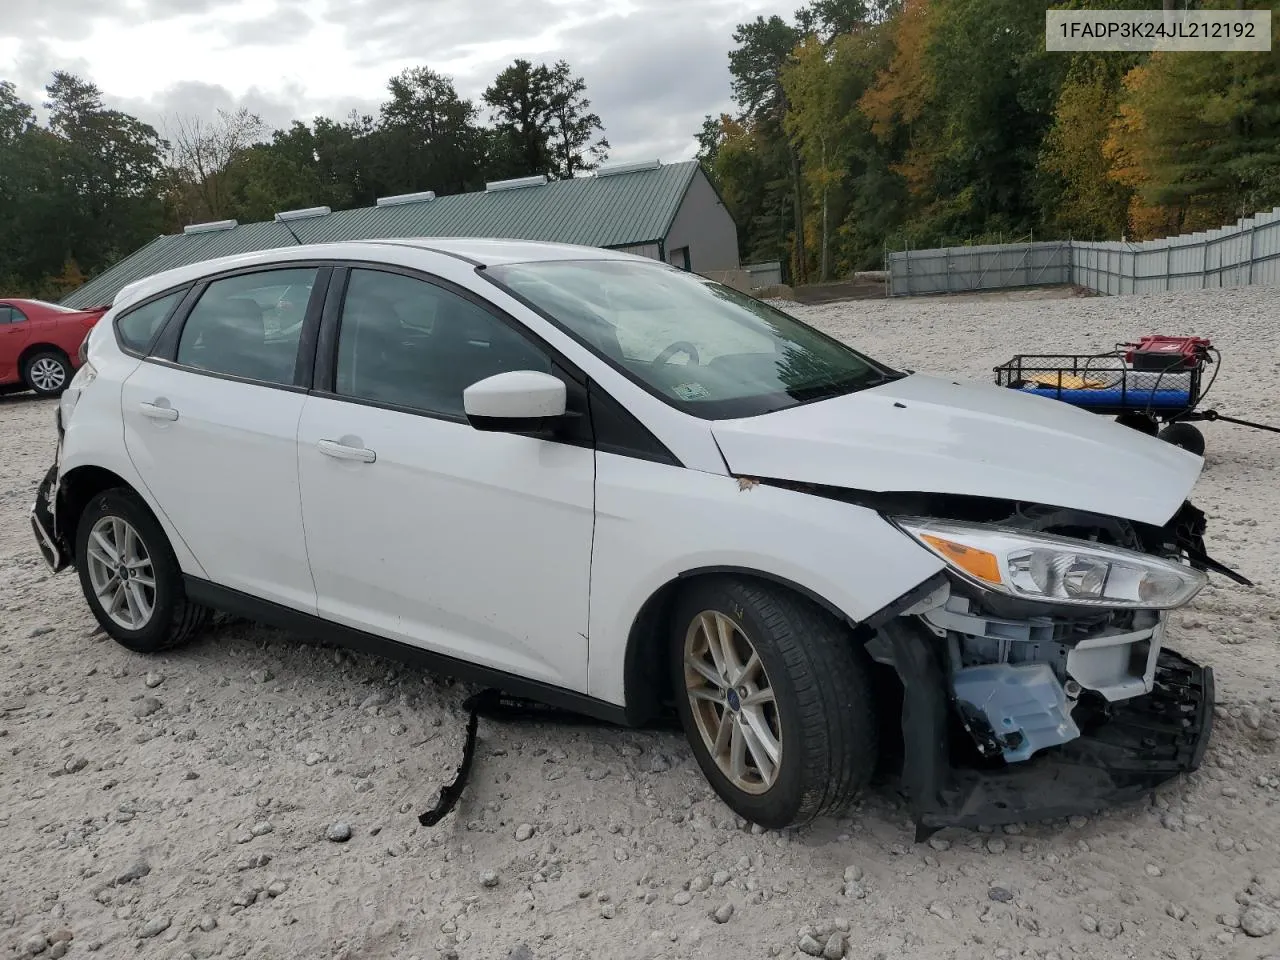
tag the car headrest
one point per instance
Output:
(243, 314)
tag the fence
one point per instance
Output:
(959, 269)
(767, 274)
(1243, 253)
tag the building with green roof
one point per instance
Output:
(670, 212)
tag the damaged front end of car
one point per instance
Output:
(1036, 683)
(1034, 678)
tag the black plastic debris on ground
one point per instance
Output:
(494, 705)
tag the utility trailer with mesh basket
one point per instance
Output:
(1156, 380)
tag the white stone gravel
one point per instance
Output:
(135, 854)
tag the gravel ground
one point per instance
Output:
(254, 796)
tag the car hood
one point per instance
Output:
(927, 434)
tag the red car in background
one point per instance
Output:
(40, 344)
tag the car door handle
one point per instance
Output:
(341, 451)
(157, 412)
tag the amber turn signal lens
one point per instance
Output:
(976, 563)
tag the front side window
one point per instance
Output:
(234, 327)
(409, 343)
(136, 329)
(699, 345)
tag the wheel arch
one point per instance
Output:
(646, 650)
(31, 349)
(644, 660)
(76, 488)
(78, 484)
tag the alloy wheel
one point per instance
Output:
(732, 701)
(121, 573)
(47, 374)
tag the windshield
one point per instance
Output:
(699, 345)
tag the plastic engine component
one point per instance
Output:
(1024, 704)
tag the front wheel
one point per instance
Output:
(130, 576)
(775, 698)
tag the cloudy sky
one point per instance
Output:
(653, 68)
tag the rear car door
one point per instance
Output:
(210, 422)
(421, 529)
(15, 330)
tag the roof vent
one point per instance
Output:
(515, 184)
(403, 198)
(306, 214)
(610, 169)
(212, 226)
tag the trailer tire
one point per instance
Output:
(1141, 422)
(1184, 435)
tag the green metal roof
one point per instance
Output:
(619, 210)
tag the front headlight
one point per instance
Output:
(1051, 569)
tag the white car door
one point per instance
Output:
(421, 529)
(211, 421)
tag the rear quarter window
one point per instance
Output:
(136, 329)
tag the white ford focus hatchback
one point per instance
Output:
(610, 485)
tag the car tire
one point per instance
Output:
(47, 372)
(1184, 435)
(147, 609)
(813, 696)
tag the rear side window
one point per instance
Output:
(249, 325)
(10, 314)
(136, 329)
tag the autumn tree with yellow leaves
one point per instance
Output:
(932, 122)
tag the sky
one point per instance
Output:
(653, 68)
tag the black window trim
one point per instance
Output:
(326, 357)
(163, 349)
(579, 382)
(315, 368)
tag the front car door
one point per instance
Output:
(210, 423)
(419, 528)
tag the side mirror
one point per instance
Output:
(520, 401)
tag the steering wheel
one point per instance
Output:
(680, 346)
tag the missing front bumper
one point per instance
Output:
(1148, 740)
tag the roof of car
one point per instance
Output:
(480, 251)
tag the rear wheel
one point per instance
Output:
(47, 372)
(775, 698)
(130, 576)
(1184, 435)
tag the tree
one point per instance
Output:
(109, 166)
(201, 152)
(520, 97)
(574, 144)
(1198, 137)
(428, 137)
(16, 116)
(1081, 196)
(755, 67)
